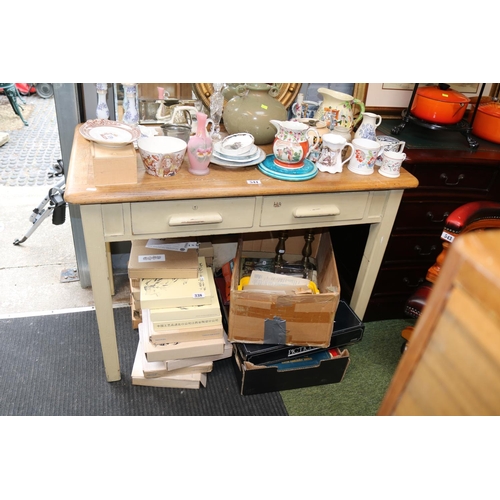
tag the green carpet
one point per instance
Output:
(373, 362)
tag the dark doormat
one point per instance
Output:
(52, 365)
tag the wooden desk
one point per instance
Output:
(224, 202)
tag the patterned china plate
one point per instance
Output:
(222, 162)
(254, 150)
(109, 133)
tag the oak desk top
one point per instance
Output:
(219, 183)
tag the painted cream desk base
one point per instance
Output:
(226, 201)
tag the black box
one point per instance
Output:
(347, 330)
(256, 379)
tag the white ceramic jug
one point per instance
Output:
(368, 127)
(330, 158)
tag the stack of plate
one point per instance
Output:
(227, 159)
(304, 173)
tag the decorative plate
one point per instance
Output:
(234, 164)
(247, 156)
(308, 171)
(109, 133)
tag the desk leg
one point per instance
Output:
(373, 254)
(100, 277)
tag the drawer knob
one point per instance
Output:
(419, 250)
(318, 211)
(430, 216)
(189, 220)
(444, 177)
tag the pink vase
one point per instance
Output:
(199, 147)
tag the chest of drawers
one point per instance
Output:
(447, 179)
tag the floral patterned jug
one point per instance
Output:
(291, 143)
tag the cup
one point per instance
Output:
(365, 155)
(389, 144)
(391, 163)
(331, 156)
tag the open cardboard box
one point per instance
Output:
(256, 379)
(285, 319)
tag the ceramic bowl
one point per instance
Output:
(162, 156)
(237, 144)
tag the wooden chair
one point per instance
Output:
(474, 216)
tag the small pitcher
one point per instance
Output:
(368, 127)
(330, 159)
(291, 143)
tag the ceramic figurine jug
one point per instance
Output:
(338, 107)
(199, 148)
(291, 143)
(368, 127)
(252, 109)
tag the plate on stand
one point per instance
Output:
(304, 173)
(109, 133)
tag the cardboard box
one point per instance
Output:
(113, 166)
(256, 379)
(155, 263)
(347, 330)
(299, 320)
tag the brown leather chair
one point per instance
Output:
(477, 215)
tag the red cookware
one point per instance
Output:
(487, 122)
(439, 104)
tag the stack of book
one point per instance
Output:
(180, 332)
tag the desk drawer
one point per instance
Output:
(313, 208)
(186, 215)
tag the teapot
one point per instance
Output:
(338, 107)
(291, 144)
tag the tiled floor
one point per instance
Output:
(34, 275)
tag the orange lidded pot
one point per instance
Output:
(487, 122)
(439, 105)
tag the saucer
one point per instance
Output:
(304, 173)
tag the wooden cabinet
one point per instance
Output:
(447, 179)
(452, 365)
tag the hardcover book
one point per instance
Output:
(177, 292)
(165, 314)
(176, 364)
(211, 331)
(154, 369)
(181, 350)
(182, 381)
(147, 262)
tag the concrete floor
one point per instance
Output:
(32, 274)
